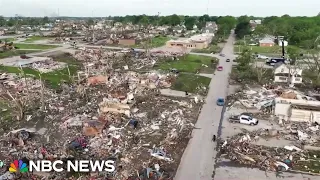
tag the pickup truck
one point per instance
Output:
(244, 119)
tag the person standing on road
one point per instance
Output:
(214, 138)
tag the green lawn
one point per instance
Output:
(53, 79)
(211, 49)
(7, 40)
(191, 83)
(15, 53)
(34, 46)
(274, 51)
(35, 38)
(259, 49)
(155, 42)
(189, 63)
(159, 41)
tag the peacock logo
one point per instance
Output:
(18, 164)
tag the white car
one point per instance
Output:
(244, 119)
(262, 57)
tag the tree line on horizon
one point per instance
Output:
(299, 31)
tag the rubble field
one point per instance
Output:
(276, 144)
(107, 111)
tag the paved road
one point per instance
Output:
(198, 160)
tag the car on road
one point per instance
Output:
(259, 56)
(220, 68)
(228, 60)
(244, 119)
(220, 102)
(222, 55)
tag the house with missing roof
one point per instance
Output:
(288, 74)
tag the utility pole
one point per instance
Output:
(281, 38)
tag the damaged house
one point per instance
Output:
(298, 110)
(286, 73)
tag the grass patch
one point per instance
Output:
(211, 49)
(53, 79)
(259, 49)
(35, 46)
(191, 83)
(7, 40)
(155, 42)
(159, 41)
(15, 53)
(190, 63)
(35, 38)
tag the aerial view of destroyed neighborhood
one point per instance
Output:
(203, 92)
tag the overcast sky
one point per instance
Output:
(104, 8)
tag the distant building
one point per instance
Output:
(195, 42)
(257, 21)
(254, 24)
(211, 27)
(266, 42)
(285, 43)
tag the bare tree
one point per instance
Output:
(260, 71)
(17, 104)
(312, 63)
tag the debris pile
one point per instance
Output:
(126, 59)
(241, 149)
(262, 98)
(47, 66)
(121, 116)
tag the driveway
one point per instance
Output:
(198, 160)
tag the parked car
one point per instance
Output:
(220, 68)
(262, 56)
(220, 102)
(228, 60)
(243, 119)
(235, 60)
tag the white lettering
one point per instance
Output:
(109, 166)
(46, 166)
(56, 169)
(83, 166)
(33, 166)
(96, 165)
(74, 166)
